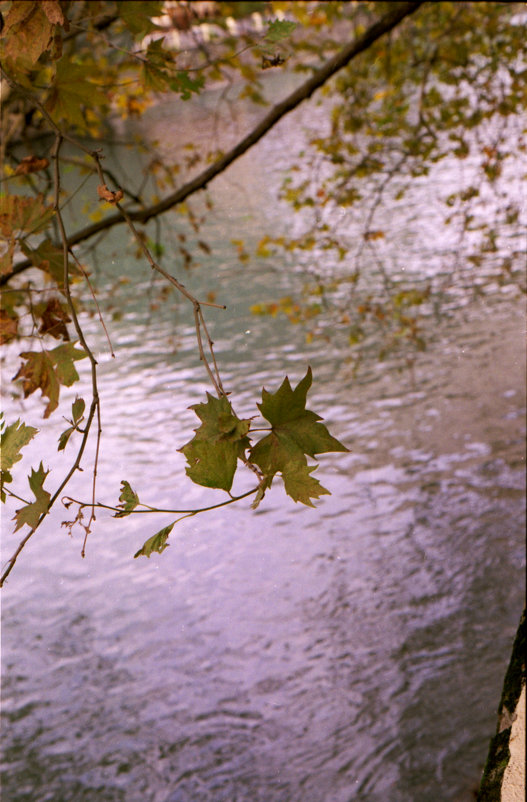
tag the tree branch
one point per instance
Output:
(387, 23)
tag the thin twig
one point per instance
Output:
(199, 320)
(68, 500)
(87, 278)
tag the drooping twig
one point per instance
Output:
(199, 320)
(96, 302)
(95, 404)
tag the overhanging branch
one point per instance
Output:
(387, 23)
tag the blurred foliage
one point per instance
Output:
(448, 84)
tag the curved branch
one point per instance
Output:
(333, 65)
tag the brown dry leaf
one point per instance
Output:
(54, 319)
(31, 164)
(19, 213)
(53, 11)
(106, 194)
(6, 259)
(38, 372)
(27, 31)
(47, 370)
(8, 327)
(18, 12)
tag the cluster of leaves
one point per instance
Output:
(13, 438)
(223, 440)
(68, 70)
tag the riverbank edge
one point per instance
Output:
(492, 787)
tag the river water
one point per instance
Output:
(351, 652)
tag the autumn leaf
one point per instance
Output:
(6, 259)
(295, 433)
(19, 213)
(8, 327)
(13, 438)
(219, 421)
(54, 319)
(186, 85)
(285, 410)
(30, 514)
(213, 453)
(106, 194)
(53, 11)
(156, 543)
(38, 372)
(31, 164)
(27, 31)
(47, 370)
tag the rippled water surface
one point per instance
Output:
(352, 652)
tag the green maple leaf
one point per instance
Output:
(186, 85)
(296, 432)
(213, 452)
(286, 412)
(30, 514)
(71, 91)
(13, 438)
(219, 421)
(136, 16)
(63, 357)
(300, 485)
(279, 30)
(211, 464)
(157, 542)
(128, 498)
(50, 259)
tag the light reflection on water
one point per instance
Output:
(355, 652)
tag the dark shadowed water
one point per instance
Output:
(352, 652)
